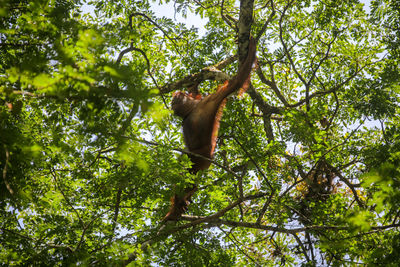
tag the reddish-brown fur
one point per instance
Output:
(179, 204)
(201, 118)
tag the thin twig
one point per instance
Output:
(130, 49)
(116, 212)
(254, 162)
(270, 17)
(155, 24)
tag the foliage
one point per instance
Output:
(306, 171)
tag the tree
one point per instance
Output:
(306, 170)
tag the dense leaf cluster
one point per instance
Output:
(306, 171)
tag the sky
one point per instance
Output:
(168, 11)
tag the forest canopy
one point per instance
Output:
(306, 170)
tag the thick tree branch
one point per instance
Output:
(219, 222)
(208, 73)
(199, 220)
(222, 64)
(213, 72)
(272, 83)
(264, 208)
(244, 24)
(266, 109)
(263, 106)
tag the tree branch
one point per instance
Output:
(228, 18)
(244, 24)
(130, 49)
(116, 212)
(198, 220)
(270, 17)
(154, 23)
(58, 186)
(272, 83)
(5, 168)
(254, 162)
(285, 46)
(207, 73)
